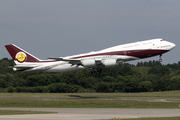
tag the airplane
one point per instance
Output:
(94, 61)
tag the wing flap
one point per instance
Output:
(71, 61)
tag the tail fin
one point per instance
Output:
(19, 55)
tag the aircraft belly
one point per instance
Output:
(125, 58)
(65, 68)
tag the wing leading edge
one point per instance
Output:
(90, 62)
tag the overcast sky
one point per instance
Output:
(58, 28)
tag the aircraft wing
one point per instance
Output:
(98, 61)
(71, 61)
(23, 66)
(87, 62)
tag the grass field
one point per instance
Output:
(90, 101)
(16, 112)
(87, 103)
(167, 94)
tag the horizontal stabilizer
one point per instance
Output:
(24, 66)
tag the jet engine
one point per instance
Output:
(88, 62)
(109, 62)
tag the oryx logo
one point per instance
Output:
(21, 56)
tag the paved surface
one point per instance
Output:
(90, 113)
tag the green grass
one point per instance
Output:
(16, 112)
(167, 118)
(167, 94)
(89, 100)
(87, 103)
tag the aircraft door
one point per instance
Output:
(125, 52)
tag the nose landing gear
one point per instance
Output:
(160, 60)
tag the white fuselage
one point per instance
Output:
(120, 53)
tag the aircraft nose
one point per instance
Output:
(172, 45)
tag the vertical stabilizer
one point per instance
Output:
(19, 55)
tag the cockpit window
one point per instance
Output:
(162, 40)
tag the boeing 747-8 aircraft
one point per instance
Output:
(94, 60)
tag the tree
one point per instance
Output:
(119, 86)
(10, 79)
(109, 79)
(164, 70)
(131, 84)
(20, 82)
(87, 82)
(32, 81)
(120, 79)
(58, 88)
(175, 83)
(3, 83)
(10, 89)
(153, 70)
(69, 78)
(73, 88)
(125, 70)
(102, 87)
(145, 86)
(166, 82)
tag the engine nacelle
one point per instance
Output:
(109, 62)
(88, 62)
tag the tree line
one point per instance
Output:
(142, 77)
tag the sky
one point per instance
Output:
(59, 28)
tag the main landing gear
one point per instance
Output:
(91, 71)
(160, 60)
(96, 71)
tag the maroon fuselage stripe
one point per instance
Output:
(133, 53)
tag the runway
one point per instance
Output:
(90, 113)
